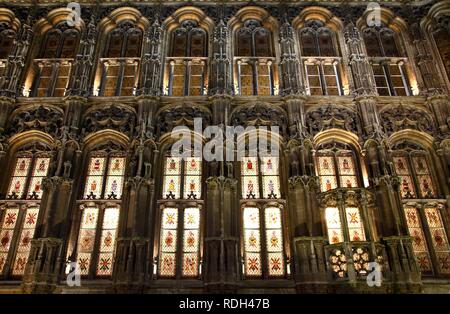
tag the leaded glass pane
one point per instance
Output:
(6, 233)
(272, 218)
(171, 187)
(191, 218)
(167, 265)
(276, 264)
(97, 166)
(251, 218)
(86, 238)
(271, 187)
(168, 242)
(334, 225)
(274, 240)
(108, 240)
(192, 187)
(173, 166)
(327, 183)
(93, 187)
(252, 242)
(401, 166)
(346, 165)
(419, 243)
(253, 264)
(249, 166)
(190, 264)
(114, 186)
(193, 166)
(191, 242)
(407, 187)
(439, 238)
(24, 245)
(18, 180)
(170, 218)
(355, 225)
(250, 187)
(269, 165)
(349, 181)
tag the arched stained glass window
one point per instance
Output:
(260, 177)
(120, 64)
(17, 223)
(388, 64)
(254, 60)
(353, 227)
(423, 216)
(336, 167)
(320, 59)
(187, 62)
(181, 216)
(100, 211)
(54, 61)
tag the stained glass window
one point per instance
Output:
(105, 177)
(24, 245)
(173, 180)
(419, 243)
(439, 238)
(346, 175)
(355, 227)
(263, 237)
(266, 169)
(415, 177)
(97, 250)
(8, 224)
(175, 223)
(40, 171)
(19, 177)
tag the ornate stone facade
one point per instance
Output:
(86, 115)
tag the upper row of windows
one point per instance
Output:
(186, 66)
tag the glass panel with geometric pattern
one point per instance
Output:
(423, 176)
(334, 226)
(403, 170)
(355, 225)
(347, 172)
(19, 178)
(172, 178)
(191, 245)
(250, 183)
(86, 239)
(192, 180)
(7, 226)
(252, 242)
(94, 180)
(419, 242)
(40, 171)
(274, 239)
(108, 241)
(24, 245)
(439, 238)
(168, 242)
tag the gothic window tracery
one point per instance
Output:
(254, 60)
(119, 65)
(337, 167)
(181, 217)
(100, 210)
(19, 215)
(423, 216)
(186, 68)
(388, 63)
(262, 221)
(321, 59)
(54, 61)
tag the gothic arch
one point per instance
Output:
(338, 135)
(188, 13)
(318, 13)
(91, 141)
(399, 117)
(7, 17)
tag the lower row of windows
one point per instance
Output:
(179, 254)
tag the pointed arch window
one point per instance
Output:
(254, 60)
(53, 65)
(388, 63)
(7, 36)
(20, 212)
(321, 59)
(441, 35)
(187, 62)
(424, 217)
(263, 242)
(100, 211)
(119, 65)
(180, 219)
(337, 167)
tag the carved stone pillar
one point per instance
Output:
(11, 79)
(361, 70)
(291, 79)
(133, 268)
(439, 105)
(151, 61)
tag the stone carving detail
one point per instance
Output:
(43, 118)
(260, 114)
(114, 117)
(402, 117)
(332, 116)
(184, 114)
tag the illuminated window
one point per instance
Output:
(119, 66)
(352, 229)
(100, 213)
(426, 226)
(336, 167)
(187, 61)
(254, 60)
(320, 59)
(53, 64)
(179, 249)
(260, 177)
(415, 179)
(263, 242)
(388, 64)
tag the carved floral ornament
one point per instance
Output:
(48, 119)
(402, 117)
(332, 116)
(116, 117)
(180, 115)
(260, 114)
